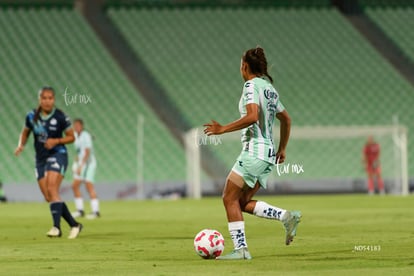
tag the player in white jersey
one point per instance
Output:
(259, 105)
(84, 169)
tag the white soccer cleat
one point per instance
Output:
(291, 223)
(93, 215)
(74, 231)
(54, 233)
(78, 214)
(237, 254)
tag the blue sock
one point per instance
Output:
(67, 216)
(56, 211)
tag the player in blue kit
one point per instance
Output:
(48, 125)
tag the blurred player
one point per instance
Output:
(259, 105)
(48, 125)
(3, 197)
(371, 159)
(84, 171)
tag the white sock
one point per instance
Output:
(79, 203)
(265, 210)
(237, 234)
(95, 205)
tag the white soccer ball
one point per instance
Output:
(209, 243)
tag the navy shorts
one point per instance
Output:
(57, 162)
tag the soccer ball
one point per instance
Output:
(209, 243)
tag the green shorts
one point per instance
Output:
(87, 172)
(252, 169)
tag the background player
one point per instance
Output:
(259, 105)
(3, 197)
(371, 160)
(48, 125)
(84, 171)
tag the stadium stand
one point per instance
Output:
(55, 46)
(325, 71)
(398, 24)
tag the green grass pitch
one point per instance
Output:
(341, 235)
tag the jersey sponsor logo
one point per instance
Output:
(53, 121)
(51, 159)
(269, 94)
(247, 84)
(271, 107)
(52, 128)
(38, 127)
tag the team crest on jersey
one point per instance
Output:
(53, 121)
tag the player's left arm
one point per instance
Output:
(83, 161)
(285, 123)
(252, 116)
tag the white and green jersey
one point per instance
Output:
(257, 139)
(83, 141)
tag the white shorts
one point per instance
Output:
(87, 174)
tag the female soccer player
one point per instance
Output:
(84, 171)
(259, 105)
(48, 124)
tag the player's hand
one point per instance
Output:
(280, 156)
(18, 150)
(51, 142)
(213, 128)
(74, 167)
(79, 170)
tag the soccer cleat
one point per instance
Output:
(74, 231)
(93, 215)
(54, 232)
(237, 254)
(291, 223)
(78, 213)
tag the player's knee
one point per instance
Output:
(74, 187)
(227, 199)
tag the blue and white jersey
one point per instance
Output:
(51, 126)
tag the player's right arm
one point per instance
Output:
(22, 140)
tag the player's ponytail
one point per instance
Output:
(37, 114)
(257, 62)
(39, 108)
